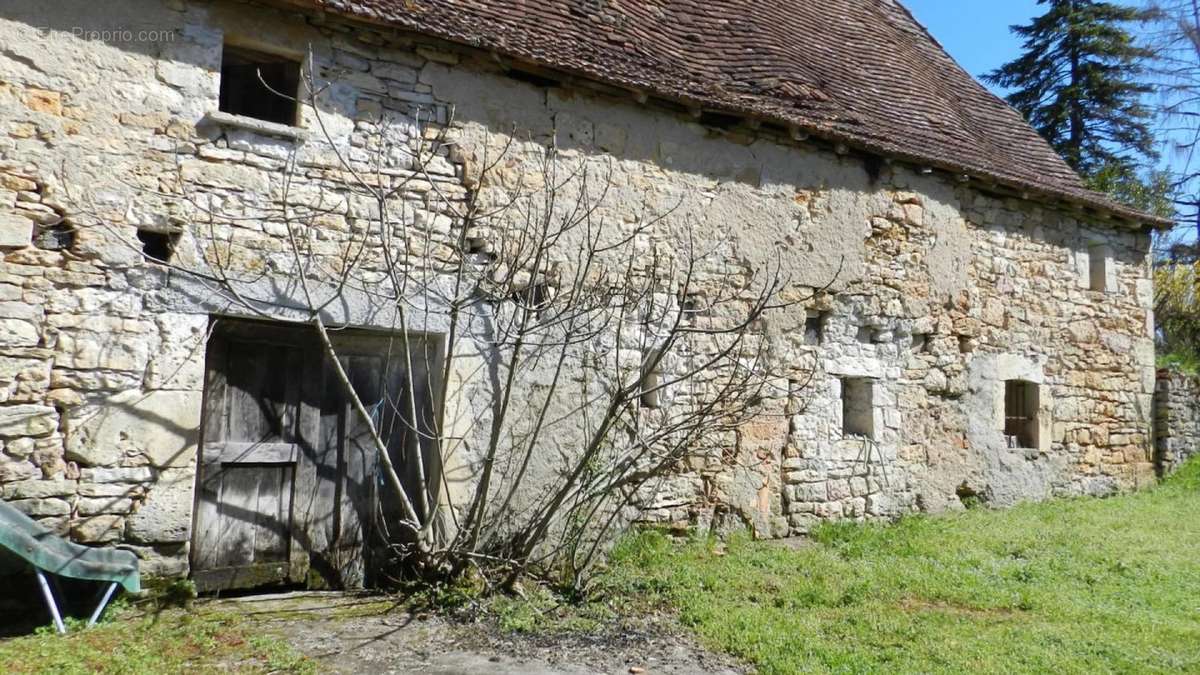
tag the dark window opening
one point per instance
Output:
(874, 165)
(156, 245)
(652, 368)
(858, 407)
(535, 298)
(691, 305)
(920, 343)
(965, 344)
(865, 335)
(532, 78)
(58, 237)
(1020, 413)
(719, 120)
(773, 128)
(814, 327)
(478, 246)
(259, 85)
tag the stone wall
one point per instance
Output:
(939, 291)
(1176, 419)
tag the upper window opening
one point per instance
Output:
(532, 78)
(920, 343)
(1020, 414)
(259, 85)
(58, 237)
(691, 305)
(651, 383)
(814, 327)
(1098, 267)
(157, 246)
(719, 120)
(858, 407)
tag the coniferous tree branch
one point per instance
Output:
(1081, 83)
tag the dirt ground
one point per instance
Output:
(365, 634)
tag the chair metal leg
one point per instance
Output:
(112, 586)
(58, 622)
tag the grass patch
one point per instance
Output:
(170, 641)
(1069, 586)
(542, 611)
(1186, 362)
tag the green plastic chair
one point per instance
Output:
(47, 552)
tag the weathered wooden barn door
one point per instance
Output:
(289, 486)
(398, 392)
(261, 412)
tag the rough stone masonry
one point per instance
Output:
(1176, 419)
(975, 342)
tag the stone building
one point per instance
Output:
(986, 334)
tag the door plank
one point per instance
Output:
(357, 466)
(239, 501)
(314, 486)
(205, 552)
(256, 391)
(232, 452)
(271, 536)
(245, 576)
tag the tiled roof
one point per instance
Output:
(861, 72)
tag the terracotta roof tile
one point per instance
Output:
(863, 72)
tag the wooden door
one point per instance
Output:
(289, 479)
(388, 383)
(260, 411)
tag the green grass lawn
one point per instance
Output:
(170, 641)
(1070, 586)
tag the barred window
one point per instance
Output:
(259, 85)
(1020, 413)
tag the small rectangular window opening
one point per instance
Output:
(259, 85)
(920, 343)
(719, 120)
(535, 297)
(535, 79)
(691, 305)
(965, 344)
(814, 327)
(652, 369)
(858, 407)
(1098, 267)
(57, 237)
(1020, 414)
(156, 245)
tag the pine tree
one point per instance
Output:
(1080, 84)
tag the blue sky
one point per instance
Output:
(975, 32)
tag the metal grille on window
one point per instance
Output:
(1020, 413)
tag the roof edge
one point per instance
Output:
(1026, 188)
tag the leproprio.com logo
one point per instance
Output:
(110, 35)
